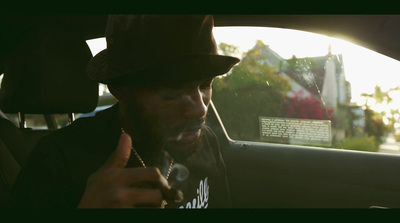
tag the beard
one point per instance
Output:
(156, 141)
(182, 155)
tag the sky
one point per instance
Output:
(364, 69)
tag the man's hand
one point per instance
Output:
(114, 186)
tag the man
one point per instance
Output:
(152, 148)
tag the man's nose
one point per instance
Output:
(195, 105)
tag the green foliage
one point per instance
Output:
(397, 137)
(228, 49)
(240, 109)
(251, 90)
(365, 143)
(379, 95)
(374, 125)
(251, 72)
(383, 97)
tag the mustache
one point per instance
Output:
(174, 133)
(192, 125)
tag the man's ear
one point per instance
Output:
(117, 92)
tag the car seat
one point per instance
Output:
(44, 75)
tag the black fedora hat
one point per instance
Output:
(146, 49)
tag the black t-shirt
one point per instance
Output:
(57, 169)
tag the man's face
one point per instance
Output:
(170, 117)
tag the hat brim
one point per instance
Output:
(181, 69)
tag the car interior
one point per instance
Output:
(49, 82)
(43, 60)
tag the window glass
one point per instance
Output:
(32, 121)
(105, 97)
(62, 120)
(36, 122)
(295, 87)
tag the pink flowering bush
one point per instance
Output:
(310, 107)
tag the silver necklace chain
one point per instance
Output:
(142, 162)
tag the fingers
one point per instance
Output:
(113, 185)
(135, 197)
(149, 178)
(120, 157)
(140, 197)
(173, 194)
(145, 197)
(152, 178)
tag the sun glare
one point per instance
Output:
(97, 45)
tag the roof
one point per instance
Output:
(311, 79)
(314, 79)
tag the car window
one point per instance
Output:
(295, 87)
(36, 121)
(106, 99)
(302, 88)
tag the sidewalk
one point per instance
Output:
(390, 146)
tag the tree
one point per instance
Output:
(374, 125)
(228, 49)
(380, 97)
(393, 119)
(252, 89)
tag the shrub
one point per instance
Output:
(365, 143)
(307, 107)
(397, 137)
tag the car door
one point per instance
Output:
(287, 144)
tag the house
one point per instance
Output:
(322, 77)
(312, 74)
